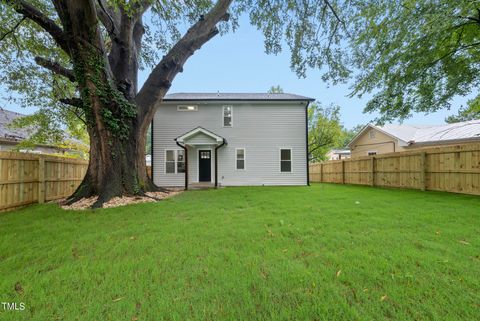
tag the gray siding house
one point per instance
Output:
(230, 140)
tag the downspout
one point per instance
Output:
(306, 143)
(216, 162)
(151, 151)
(186, 162)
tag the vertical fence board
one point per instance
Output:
(31, 178)
(453, 168)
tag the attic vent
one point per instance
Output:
(187, 108)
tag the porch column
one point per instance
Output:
(216, 167)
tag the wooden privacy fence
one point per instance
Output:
(451, 169)
(34, 178)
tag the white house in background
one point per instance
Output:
(372, 140)
(222, 139)
(336, 154)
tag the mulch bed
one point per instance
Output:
(86, 203)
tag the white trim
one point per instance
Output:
(231, 116)
(280, 159)
(181, 139)
(244, 159)
(198, 163)
(372, 134)
(401, 142)
(175, 161)
(188, 108)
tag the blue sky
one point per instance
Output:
(236, 62)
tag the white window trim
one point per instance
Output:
(280, 160)
(187, 110)
(244, 159)
(371, 151)
(223, 116)
(175, 157)
(372, 131)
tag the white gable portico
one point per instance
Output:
(201, 153)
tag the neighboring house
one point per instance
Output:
(230, 139)
(395, 138)
(11, 137)
(336, 154)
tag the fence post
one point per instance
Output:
(41, 179)
(343, 171)
(372, 164)
(423, 170)
(321, 172)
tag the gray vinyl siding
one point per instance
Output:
(202, 139)
(261, 129)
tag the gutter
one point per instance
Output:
(382, 143)
(216, 161)
(186, 162)
(444, 142)
(172, 100)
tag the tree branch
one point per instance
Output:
(75, 102)
(160, 79)
(104, 13)
(329, 5)
(453, 52)
(77, 105)
(56, 68)
(13, 29)
(32, 13)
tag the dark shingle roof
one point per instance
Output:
(6, 132)
(235, 97)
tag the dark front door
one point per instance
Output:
(204, 166)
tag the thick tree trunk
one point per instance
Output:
(117, 164)
(116, 125)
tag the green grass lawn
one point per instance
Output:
(325, 252)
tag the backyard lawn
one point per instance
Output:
(325, 252)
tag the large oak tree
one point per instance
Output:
(85, 55)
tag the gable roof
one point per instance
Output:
(425, 134)
(193, 132)
(14, 135)
(235, 97)
(8, 133)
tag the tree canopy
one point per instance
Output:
(413, 56)
(26, 48)
(325, 130)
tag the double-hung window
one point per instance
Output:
(285, 160)
(174, 161)
(180, 161)
(240, 158)
(170, 162)
(227, 116)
